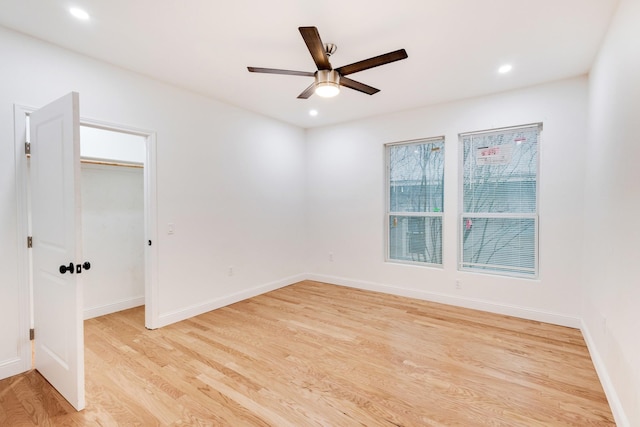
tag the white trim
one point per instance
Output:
(104, 125)
(494, 266)
(90, 313)
(415, 263)
(10, 364)
(474, 215)
(151, 292)
(473, 303)
(150, 213)
(416, 141)
(22, 360)
(197, 309)
(499, 130)
(615, 404)
(417, 214)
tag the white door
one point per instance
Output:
(57, 249)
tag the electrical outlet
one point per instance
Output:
(171, 228)
(230, 270)
(458, 284)
(330, 256)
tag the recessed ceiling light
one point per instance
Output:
(79, 13)
(505, 68)
(313, 113)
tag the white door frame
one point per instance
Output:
(22, 201)
(150, 217)
(23, 361)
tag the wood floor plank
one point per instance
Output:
(314, 354)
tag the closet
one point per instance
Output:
(112, 174)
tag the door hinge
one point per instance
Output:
(32, 334)
(29, 242)
(27, 148)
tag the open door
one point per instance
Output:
(57, 247)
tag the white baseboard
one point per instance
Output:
(473, 303)
(196, 309)
(14, 366)
(90, 313)
(603, 374)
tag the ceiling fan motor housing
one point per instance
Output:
(327, 76)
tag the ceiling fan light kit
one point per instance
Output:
(327, 81)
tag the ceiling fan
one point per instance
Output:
(328, 80)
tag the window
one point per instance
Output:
(499, 221)
(415, 191)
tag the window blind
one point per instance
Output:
(415, 184)
(499, 221)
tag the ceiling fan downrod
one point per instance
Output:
(330, 48)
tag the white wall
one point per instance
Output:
(346, 202)
(611, 228)
(96, 143)
(113, 238)
(231, 181)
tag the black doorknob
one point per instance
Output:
(65, 268)
(86, 265)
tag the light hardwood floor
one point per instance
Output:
(314, 354)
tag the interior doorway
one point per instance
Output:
(113, 235)
(114, 146)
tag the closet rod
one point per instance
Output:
(103, 162)
(107, 163)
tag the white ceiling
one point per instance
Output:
(454, 46)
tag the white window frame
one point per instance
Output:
(389, 213)
(468, 267)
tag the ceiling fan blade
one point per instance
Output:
(316, 47)
(308, 91)
(372, 62)
(277, 71)
(360, 87)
